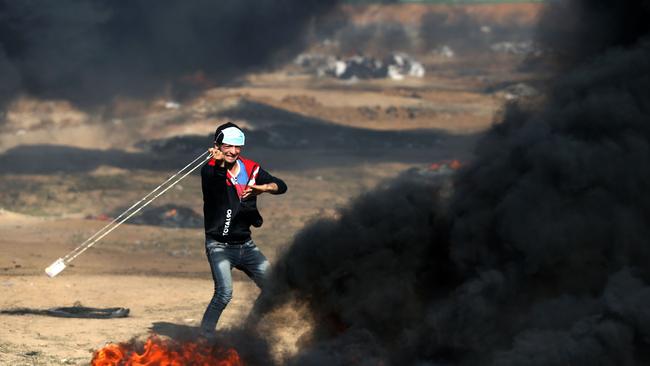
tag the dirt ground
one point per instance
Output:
(160, 274)
(50, 203)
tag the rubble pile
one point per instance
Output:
(396, 66)
(511, 91)
(520, 90)
(515, 48)
(315, 63)
(444, 51)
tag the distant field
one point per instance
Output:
(411, 12)
(446, 2)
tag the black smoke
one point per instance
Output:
(377, 39)
(464, 33)
(540, 255)
(369, 280)
(89, 52)
(575, 31)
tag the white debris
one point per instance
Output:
(396, 66)
(417, 70)
(316, 63)
(519, 90)
(339, 68)
(405, 65)
(172, 105)
(394, 73)
(516, 48)
(444, 51)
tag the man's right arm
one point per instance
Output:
(215, 168)
(212, 177)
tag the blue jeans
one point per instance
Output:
(246, 257)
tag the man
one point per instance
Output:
(231, 185)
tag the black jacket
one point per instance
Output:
(228, 219)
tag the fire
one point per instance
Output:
(450, 164)
(455, 164)
(158, 352)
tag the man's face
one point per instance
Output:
(231, 152)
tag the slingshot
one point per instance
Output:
(60, 264)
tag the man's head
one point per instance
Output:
(229, 138)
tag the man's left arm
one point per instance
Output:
(265, 182)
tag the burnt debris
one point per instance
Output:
(169, 215)
(76, 311)
(395, 66)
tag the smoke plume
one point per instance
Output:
(540, 255)
(89, 52)
(575, 31)
(378, 39)
(462, 31)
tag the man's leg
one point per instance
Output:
(254, 263)
(222, 276)
(256, 266)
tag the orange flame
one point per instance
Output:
(451, 164)
(455, 164)
(435, 166)
(158, 352)
(171, 213)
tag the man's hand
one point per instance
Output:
(254, 190)
(217, 154)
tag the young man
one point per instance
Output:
(231, 185)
